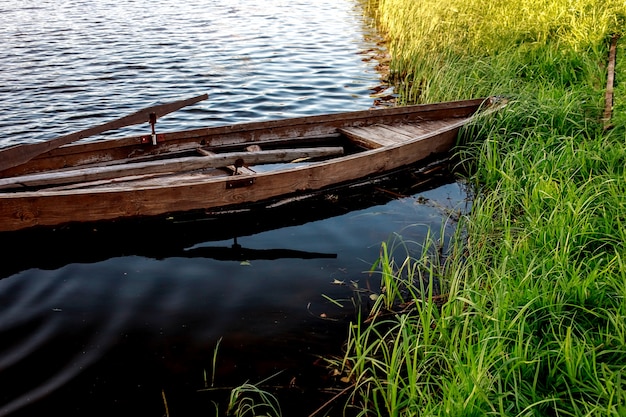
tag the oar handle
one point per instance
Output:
(20, 154)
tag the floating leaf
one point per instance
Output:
(245, 263)
(338, 282)
(373, 297)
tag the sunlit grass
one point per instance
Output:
(534, 318)
(453, 48)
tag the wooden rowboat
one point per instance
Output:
(219, 167)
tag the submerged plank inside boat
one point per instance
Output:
(223, 166)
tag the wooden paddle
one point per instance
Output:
(20, 154)
(183, 164)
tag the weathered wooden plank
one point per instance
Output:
(384, 134)
(413, 130)
(233, 168)
(145, 180)
(361, 137)
(166, 166)
(374, 137)
(356, 136)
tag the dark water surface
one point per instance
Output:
(109, 319)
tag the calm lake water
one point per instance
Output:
(112, 320)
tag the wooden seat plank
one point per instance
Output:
(366, 137)
(416, 129)
(373, 137)
(383, 133)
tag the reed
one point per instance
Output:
(534, 317)
(248, 400)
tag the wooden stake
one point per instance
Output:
(610, 81)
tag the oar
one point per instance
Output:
(188, 163)
(20, 154)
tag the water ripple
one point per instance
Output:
(102, 59)
(70, 65)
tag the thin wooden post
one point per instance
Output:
(610, 81)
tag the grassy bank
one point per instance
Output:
(533, 321)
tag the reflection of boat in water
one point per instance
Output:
(236, 252)
(189, 235)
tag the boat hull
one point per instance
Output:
(184, 192)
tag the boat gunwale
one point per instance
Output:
(296, 122)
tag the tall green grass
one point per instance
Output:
(534, 322)
(447, 49)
